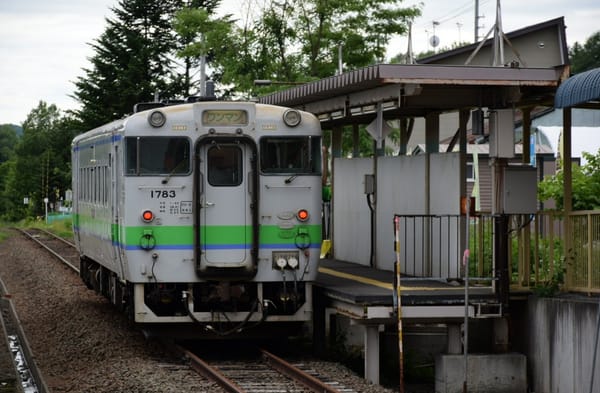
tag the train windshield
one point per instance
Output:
(157, 155)
(297, 155)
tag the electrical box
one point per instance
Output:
(369, 184)
(477, 122)
(502, 133)
(520, 189)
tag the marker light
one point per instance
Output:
(302, 214)
(281, 262)
(292, 117)
(293, 262)
(147, 216)
(157, 119)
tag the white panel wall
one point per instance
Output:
(444, 181)
(351, 214)
(401, 185)
(402, 188)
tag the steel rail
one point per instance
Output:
(71, 244)
(207, 371)
(69, 264)
(11, 324)
(297, 375)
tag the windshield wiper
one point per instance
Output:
(166, 179)
(290, 179)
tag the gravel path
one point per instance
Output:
(82, 344)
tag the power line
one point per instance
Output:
(454, 13)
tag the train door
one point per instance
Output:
(226, 230)
(114, 202)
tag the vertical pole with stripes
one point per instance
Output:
(398, 299)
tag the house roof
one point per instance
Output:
(554, 27)
(583, 139)
(579, 90)
(485, 149)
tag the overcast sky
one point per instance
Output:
(45, 44)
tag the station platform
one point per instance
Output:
(366, 296)
(366, 286)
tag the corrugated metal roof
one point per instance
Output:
(578, 89)
(381, 75)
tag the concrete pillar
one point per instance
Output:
(501, 335)
(372, 353)
(454, 339)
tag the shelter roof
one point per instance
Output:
(415, 90)
(581, 90)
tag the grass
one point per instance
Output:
(61, 228)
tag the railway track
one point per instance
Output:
(28, 374)
(266, 373)
(61, 248)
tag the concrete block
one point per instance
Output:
(489, 373)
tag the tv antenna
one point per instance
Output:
(434, 41)
(498, 43)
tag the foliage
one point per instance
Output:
(299, 40)
(152, 47)
(131, 62)
(585, 185)
(200, 37)
(8, 141)
(40, 167)
(587, 56)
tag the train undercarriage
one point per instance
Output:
(220, 307)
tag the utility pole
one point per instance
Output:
(476, 21)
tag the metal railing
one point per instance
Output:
(583, 257)
(432, 246)
(537, 250)
(547, 250)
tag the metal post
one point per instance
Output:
(46, 210)
(466, 267)
(398, 301)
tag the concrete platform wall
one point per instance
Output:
(561, 334)
(496, 373)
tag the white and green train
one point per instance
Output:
(204, 214)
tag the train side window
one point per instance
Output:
(225, 166)
(157, 156)
(290, 155)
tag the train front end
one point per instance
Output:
(224, 230)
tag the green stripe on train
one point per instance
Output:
(184, 235)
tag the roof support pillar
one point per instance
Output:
(432, 132)
(567, 188)
(336, 142)
(355, 141)
(566, 158)
(526, 155)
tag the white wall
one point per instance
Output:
(403, 184)
(351, 214)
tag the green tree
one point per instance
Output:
(8, 141)
(362, 28)
(587, 56)
(40, 167)
(131, 62)
(585, 183)
(299, 40)
(202, 38)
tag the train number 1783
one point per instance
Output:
(162, 194)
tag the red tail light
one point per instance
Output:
(302, 215)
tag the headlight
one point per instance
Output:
(157, 119)
(292, 117)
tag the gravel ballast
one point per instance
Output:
(82, 344)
